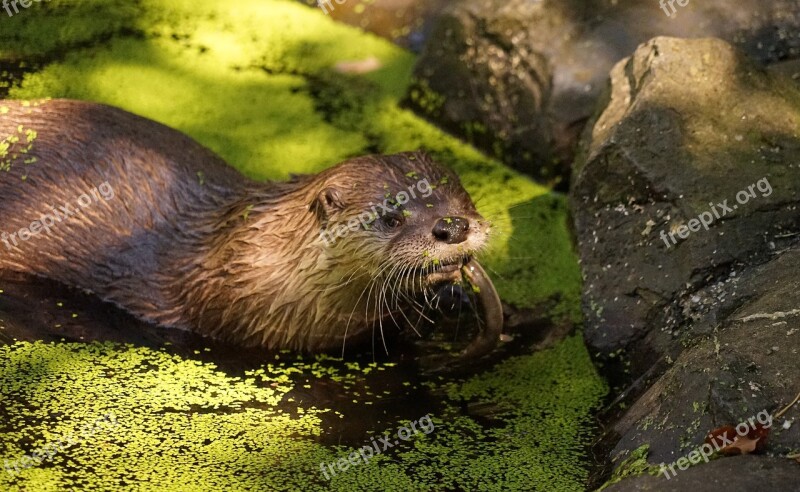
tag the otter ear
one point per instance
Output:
(329, 202)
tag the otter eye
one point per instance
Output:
(392, 221)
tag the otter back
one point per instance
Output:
(111, 193)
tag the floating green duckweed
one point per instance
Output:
(180, 421)
(548, 398)
(16, 145)
(539, 443)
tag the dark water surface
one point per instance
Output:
(34, 309)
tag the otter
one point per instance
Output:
(150, 220)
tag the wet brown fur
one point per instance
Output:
(188, 242)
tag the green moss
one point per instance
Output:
(634, 465)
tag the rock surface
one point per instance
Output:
(405, 22)
(747, 473)
(704, 319)
(687, 126)
(741, 364)
(521, 77)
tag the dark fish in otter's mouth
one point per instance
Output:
(471, 272)
(311, 264)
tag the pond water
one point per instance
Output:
(350, 402)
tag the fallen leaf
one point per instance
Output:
(729, 443)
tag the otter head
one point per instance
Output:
(320, 259)
(393, 225)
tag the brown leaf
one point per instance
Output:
(726, 440)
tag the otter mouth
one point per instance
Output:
(446, 271)
(452, 267)
(467, 270)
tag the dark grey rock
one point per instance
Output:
(486, 78)
(686, 125)
(740, 473)
(709, 323)
(743, 366)
(520, 77)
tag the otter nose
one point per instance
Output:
(451, 230)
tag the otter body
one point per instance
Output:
(150, 220)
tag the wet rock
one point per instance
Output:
(520, 77)
(685, 201)
(485, 76)
(738, 473)
(743, 367)
(405, 22)
(689, 128)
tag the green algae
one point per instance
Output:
(544, 433)
(179, 421)
(634, 465)
(256, 84)
(183, 421)
(50, 29)
(538, 443)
